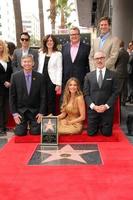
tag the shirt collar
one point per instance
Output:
(27, 73)
(75, 45)
(103, 69)
(103, 37)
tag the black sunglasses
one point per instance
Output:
(25, 39)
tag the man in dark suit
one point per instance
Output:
(24, 50)
(122, 73)
(100, 90)
(75, 58)
(27, 97)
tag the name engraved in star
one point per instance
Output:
(49, 131)
(65, 155)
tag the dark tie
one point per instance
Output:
(100, 78)
(28, 82)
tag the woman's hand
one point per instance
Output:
(58, 89)
(7, 84)
(69, 122)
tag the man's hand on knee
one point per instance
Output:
(17, 118)
(39, 118)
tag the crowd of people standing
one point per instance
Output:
(86, 77)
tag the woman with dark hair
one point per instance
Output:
(11, 47)
(50, 65)
(70, 121)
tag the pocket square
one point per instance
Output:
(108, 79)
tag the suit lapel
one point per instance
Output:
(95, 78)
(79, 52)
(20, 54)
(97, 44)
(106, 43)
(2, 68)
(69, 51)
(24, 82)
(32, 82)
(30, 51)
(105, 77)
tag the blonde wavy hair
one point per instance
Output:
(5, 54)
(67, 93)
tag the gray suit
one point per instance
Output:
(100, 96)
(17, 55)
(111, 49)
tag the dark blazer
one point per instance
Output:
(20, 101)
(79, 67)
(5, 76)
(17, 55)
(106, 94)
(121, 63)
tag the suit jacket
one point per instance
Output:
(17, 55)
(121, 63)
(104, 95)
(54, 66)
(20, 101)
(79, 67)
(130, 65)
(111, 49)
(5, 76)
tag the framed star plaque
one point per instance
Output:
(49, 132)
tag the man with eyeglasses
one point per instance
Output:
(24, 50)
(75, 58)
(100, 91)
(107, 43)
(27, 98)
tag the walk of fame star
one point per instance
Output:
(66, 150)
(49, 126)
(67, 154)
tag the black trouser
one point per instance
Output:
(102, 122)
(4, 111)
(50, 106)
(130, 86)
(28, 118)
(123, 90)
(130, 123)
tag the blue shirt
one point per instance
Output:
(103, 38)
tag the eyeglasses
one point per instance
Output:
(74, 34)
(100, 58)
(25, 39)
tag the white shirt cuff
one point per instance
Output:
(92, 106)
(107, 106)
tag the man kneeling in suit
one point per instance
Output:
(100, 90)
(27, 98)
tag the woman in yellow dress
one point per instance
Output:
(70, 121)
